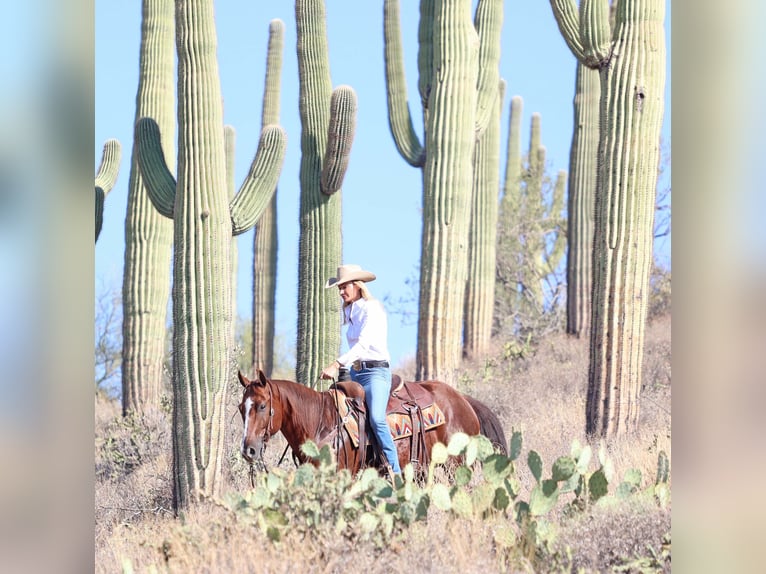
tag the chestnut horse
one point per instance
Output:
(300, 413)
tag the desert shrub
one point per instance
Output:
(659, 292)
(128, 442)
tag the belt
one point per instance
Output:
(359, 365)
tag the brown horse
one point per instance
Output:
(300, 413)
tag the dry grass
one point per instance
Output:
(542, 395)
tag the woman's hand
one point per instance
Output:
(331, 371)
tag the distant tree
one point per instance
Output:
(108, 342)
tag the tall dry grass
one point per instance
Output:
(541, 394)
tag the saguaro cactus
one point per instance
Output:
(106, 176)
(204, 220)
(148, 235)
(480, 287)
(582, 190)
(327, 132)
(265, 237)
(531, 238)
(458, 78)
(631, 64)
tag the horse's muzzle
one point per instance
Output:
(253, 452)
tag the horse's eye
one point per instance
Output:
(262, 407)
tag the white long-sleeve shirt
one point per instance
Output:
(367, 332)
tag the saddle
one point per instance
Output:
(411, 412)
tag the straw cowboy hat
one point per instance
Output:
(348, 273)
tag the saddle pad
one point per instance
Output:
(401, 425)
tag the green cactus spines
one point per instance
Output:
(340, 136)
(480, 288)
(632, 75)
(148, 235)
(106, 176)
(320, 243)
(583, 171)
(488, 21)
(265, 236)
(205, 219)
(458, 78)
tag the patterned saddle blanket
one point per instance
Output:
(403, 414)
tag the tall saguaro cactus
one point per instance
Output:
(106, 176)
(265, 236)
(327, 131)
(582, 190)
(531, 238)
(204, 220)
(480, 288)
(631, 64)
(148, 235)
(458, 65)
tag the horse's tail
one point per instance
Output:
(489, 423)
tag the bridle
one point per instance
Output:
(266, 436)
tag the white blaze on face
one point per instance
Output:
(248, 408)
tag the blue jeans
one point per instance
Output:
(376, 383)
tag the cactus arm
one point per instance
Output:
(399, 117)
(595, 30)
(270, 113)
(340, 137)
(568, 20)
(261, 181)
(425, 53)
(109, 167)
(489, 25)
(159, 181)
(106, 178)
(586, 31)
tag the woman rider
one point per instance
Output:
(367, 356)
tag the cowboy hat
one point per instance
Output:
(347, 273)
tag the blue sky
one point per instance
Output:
(381, 193)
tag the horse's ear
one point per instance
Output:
(243, 379)
(262, 377)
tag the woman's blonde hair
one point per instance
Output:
(366, 295)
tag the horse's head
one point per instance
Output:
(257, 410)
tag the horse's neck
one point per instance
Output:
(302, 411)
